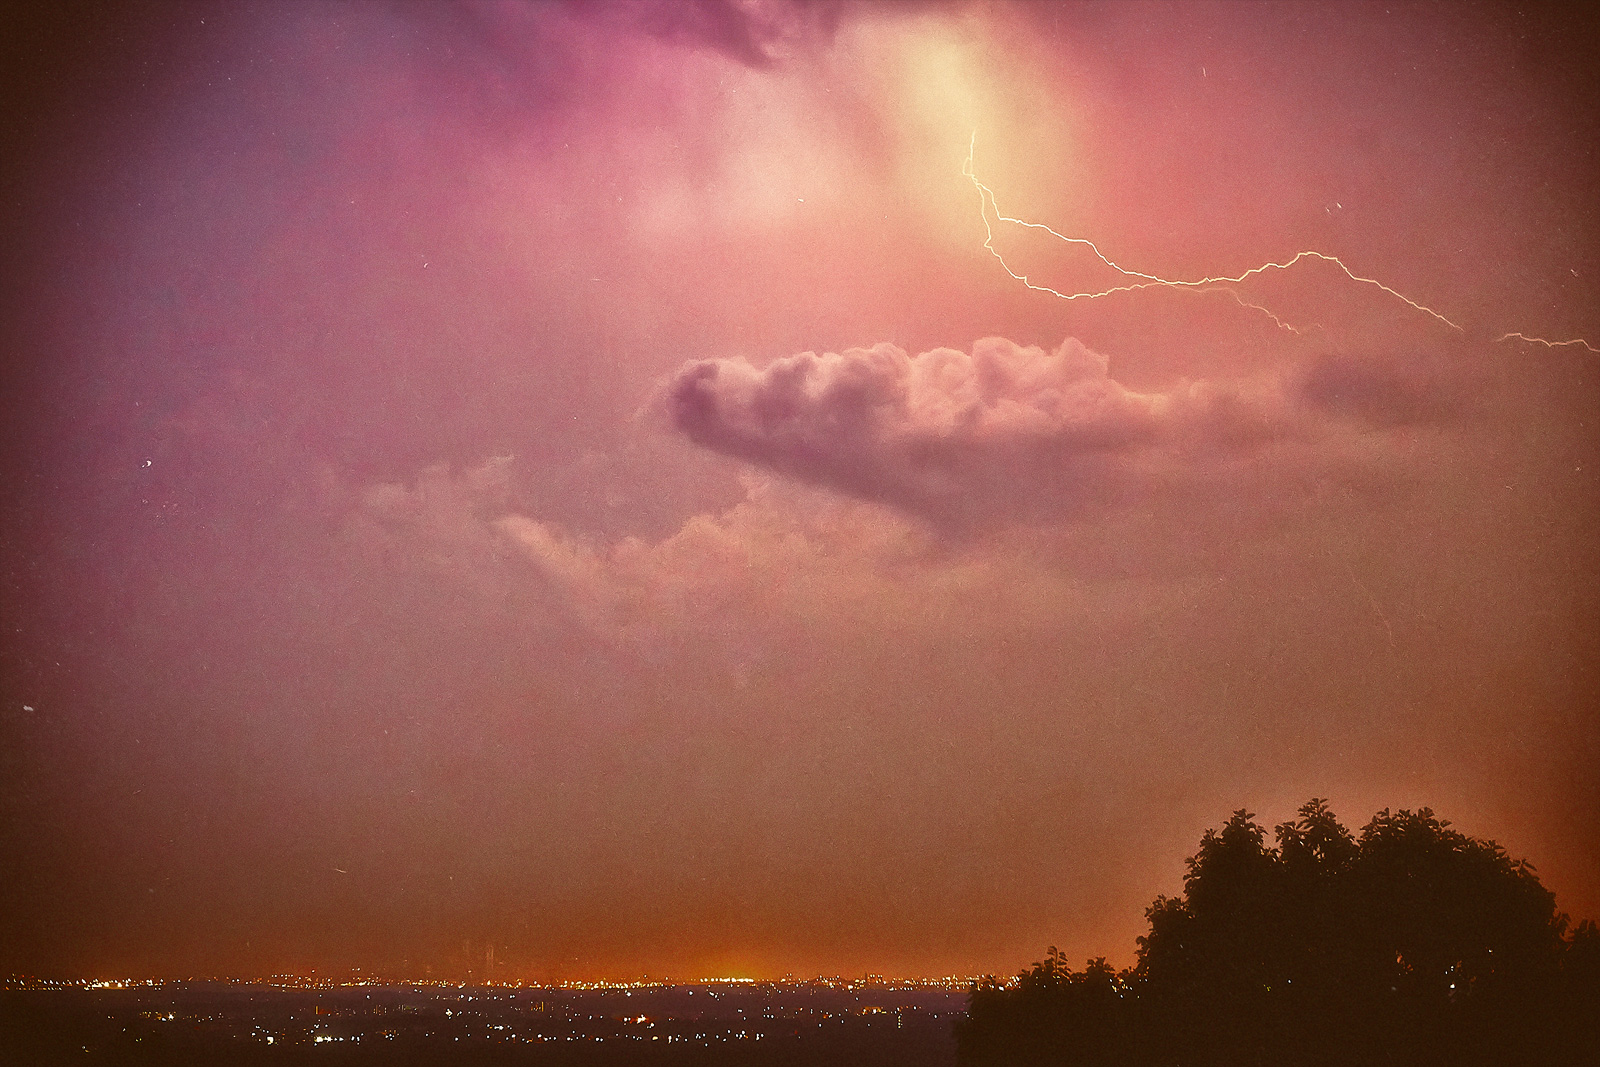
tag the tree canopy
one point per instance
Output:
(1410, 943)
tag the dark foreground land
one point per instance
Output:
(781, 1025)
(1409, 944)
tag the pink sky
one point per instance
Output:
(571, 477)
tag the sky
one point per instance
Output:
(545, 491)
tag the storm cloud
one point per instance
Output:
(397, 556)
(1010, 432)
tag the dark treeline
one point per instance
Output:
(1409, 943)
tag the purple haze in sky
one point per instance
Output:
(571, 478)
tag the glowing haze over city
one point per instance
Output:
(574, 492)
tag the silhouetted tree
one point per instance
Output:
(1051, 1008)
(1408, 944)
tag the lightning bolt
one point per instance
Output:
(989, 204)
(1548, 344)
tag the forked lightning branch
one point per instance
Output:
(1138, 280)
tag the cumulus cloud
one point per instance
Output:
(1044, 466)
(784, 567)
(439, 523)
(1004, 433)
